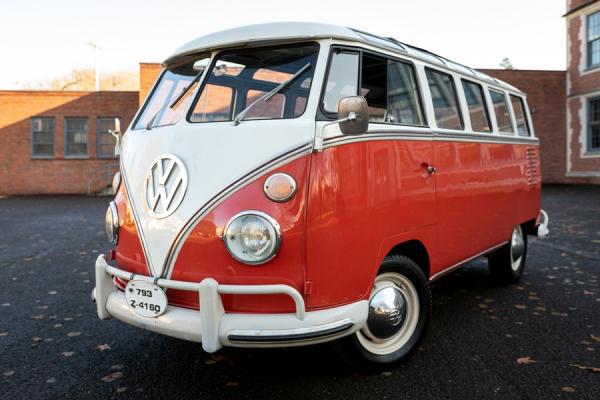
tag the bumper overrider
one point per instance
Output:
(215, 328)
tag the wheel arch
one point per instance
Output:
(415, 250)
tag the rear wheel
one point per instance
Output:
(399, 309)
(508, 262)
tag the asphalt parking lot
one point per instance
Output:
(539, 339)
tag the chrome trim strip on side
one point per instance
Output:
(403, 135)
(179, 240)
(461, 263)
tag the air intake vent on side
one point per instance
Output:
(532, 165)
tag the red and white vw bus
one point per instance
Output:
(293, 183)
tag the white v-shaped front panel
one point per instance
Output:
(172, 171)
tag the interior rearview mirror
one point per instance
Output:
(353, 115)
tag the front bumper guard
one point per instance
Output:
(214, 328)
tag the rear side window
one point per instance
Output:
(480, 121)
(501, 111)
(342, 80)
(443, 96)
(518, 106)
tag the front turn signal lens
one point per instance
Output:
(280, 187)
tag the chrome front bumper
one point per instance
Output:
(214, 328)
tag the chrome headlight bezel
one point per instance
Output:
(229, 236)
(111, 223)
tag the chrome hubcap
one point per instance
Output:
(517, 248)
(387, 313)
(393, 314)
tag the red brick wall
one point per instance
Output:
(148, 74)
(546, 96)
(19, 173)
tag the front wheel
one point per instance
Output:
(399, 310)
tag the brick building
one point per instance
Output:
(583, 90)
(58, 142)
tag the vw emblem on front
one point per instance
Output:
(166, 183)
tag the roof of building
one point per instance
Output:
(279, 31)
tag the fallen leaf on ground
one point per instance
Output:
(113, 376)
(2, 334)
(37, 317)
(595, 338)
(103, 347)
(568, 389)
(232, 383)
(73, 334)
(8, 373)
(37, 339)
(525, 360)
(586, 368)
(51, 380)
(117, 367)
(520, 306)
(67, 353)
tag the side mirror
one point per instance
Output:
(117, 135)
(353, 115)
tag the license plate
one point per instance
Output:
(145, 299)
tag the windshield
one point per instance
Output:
(166, 105)
(241, 77)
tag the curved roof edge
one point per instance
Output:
(278, 31)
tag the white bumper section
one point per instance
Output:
(214, 328)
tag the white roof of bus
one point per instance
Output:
(279, 31)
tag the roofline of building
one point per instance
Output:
(522, 70)
(579, 7)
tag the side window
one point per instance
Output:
(342, 80)
(391, 91)
(403, 101)
(76, 137)
(445, 103)
(501, 111)
(480, 121)
(42, 137)
(518, 106)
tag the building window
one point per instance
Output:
(42, 137)
(593, 142)
(445, 102)
(593, 40)
(76, 137)
(105, 141)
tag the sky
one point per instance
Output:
(41, 39)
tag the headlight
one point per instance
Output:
(116, 181)
(111, 223)
(252, 237)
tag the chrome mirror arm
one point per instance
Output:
(319, 137)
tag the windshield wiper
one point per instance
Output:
(174, 102)
(267, 96)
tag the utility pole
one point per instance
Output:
(96, 76)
